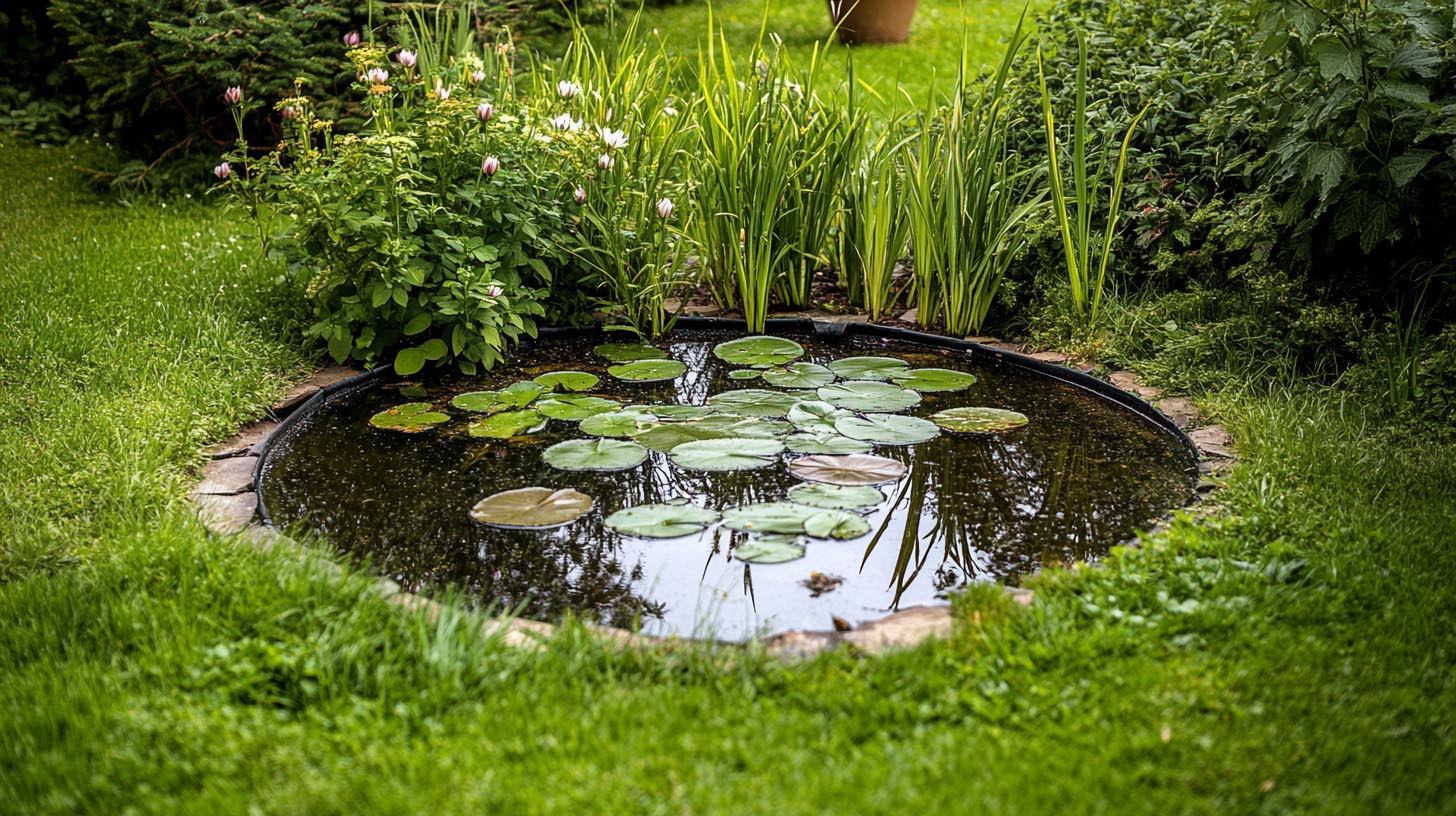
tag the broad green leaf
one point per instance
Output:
(851, 469)
(1337, 59)
(754, 402)
(1328, 164)
(758, 351)
(840, 524)
(411, 417)
(934, 379)
(574, 407)
(434, 348)
(799, 375)
(568, 380)
(506, 424)
(869, 396)
(814, 415)
(409, 361)
(887, 429)
(515, 395)
(978, 420)
(770, 549)
(836, 497)
(594, 454)
(869, 368)
(661, 520)
(618, 423)
(418, 323)
(531, 508)
(726, 454)
(648, 370)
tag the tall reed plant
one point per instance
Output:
(1086, 273)
(874, 231)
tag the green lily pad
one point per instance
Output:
(820, 441)
(769, 517)
(515, 395)
(934, 379)
(661, 520)
(648, 370)
(744, 374)
(850, 469)
(726, 454)
(836, 497)
(869, 396)
(887, 429)
(574, 407)
(507, 424)
(531, 508)
(628, 352)
(815, 415)
(979, 420)
(770, 549)
(413, 391)
(618, 423)
(754, 402)
(411, 417)
(840, 524)
(669, 435)
(594, 454)
(799, 375)
(758, 351)
(868, 368)
(568, 380)
(678, 412)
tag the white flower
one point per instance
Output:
(494, 291)
(669, 110)
(565, 122)
(477, 76)
(567, 89)
(606, 162)
(441, 91)
(664, 207)
(613, 139)
(376, 76)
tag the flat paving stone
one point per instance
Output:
(800, 645)
(225, 477)
(295, 396)
(245, 442)
(1213, 440)
(1179, 409)
(1053, 357)
(226, 515)
(901, 630)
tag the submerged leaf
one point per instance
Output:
(744, 374)
(411, 417)
(661, 520)
(726, 454)
(531, 508)
(568, 380)
(853, 469)
(758, 351)
(979, 420)
(627, 352)
(594, 454)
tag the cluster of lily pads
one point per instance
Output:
(832, 414)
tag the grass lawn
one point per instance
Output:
(1291, 654)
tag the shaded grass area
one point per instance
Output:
(1292, 653)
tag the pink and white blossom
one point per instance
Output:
(233, 95)
(376, 76)
(477, 77)
(407, 58)
(352, 39)
(484, 111)
(566, 123)
(664, 207)
(490, 166)
(494, 291)
(223, 170)
(606, 162)
(567, 89)
(579, 195)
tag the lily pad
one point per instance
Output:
(507, 424)
(869, 396)
(574, 407)
(744, 374)
(754, 402)
(799, 375)
(868, 368)
(726, 454)
(618, 423)
(661, 520)
(758, 351)
(413, 391)
(669, 435)
(674, 411)
(594, 454)
(411, 417)
(887, 429)
(851, 469)
(648, 370)
(840, 524)
(820, 441)
(934, 379)
(815, 415)
(979, 420)
(627, 352)
(515, 395)
(568, 380)
(836, 497)
(531, 508)
(769, 517)
(770, 549)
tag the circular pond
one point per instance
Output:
(724, 489)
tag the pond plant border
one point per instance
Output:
(229, 503)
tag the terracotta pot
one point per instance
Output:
(872, 21)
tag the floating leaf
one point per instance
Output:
(852, 469)
(840, 524)
(815, 415)
(869, 368)
(836, 497)
(799, 375)
(869, 396)
(820, 441)
(506, 424)
(726, 454)
(770, 549)
(573, 407)
(674, 411)
(978, 420)
(648, 370)
(887, 429)
(618, 423)
(769, 517)
(754, 402)
(744, 374)
(594, 454)
(531, 508)
(661, 520)
(411, 417)
(515, 395)
(758, 351)
(666, 436)
(627, 352)
(568, 380)
(934, 379)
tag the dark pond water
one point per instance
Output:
(1082, 476)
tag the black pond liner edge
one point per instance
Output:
(791, 325)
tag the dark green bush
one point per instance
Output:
(40, 94)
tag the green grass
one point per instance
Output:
(930, 57)
(1292, 654)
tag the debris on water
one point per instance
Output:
(818, 583)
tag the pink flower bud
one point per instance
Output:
(477, 76)
(223, 170)
(606, 162)
(664, 207)
(352, 39)
(484, 111)
(407, 58)
(580, 195)
(490, 165)
(494, 291)
(233, 95)
(289, 112)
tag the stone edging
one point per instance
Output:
(226, 500)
